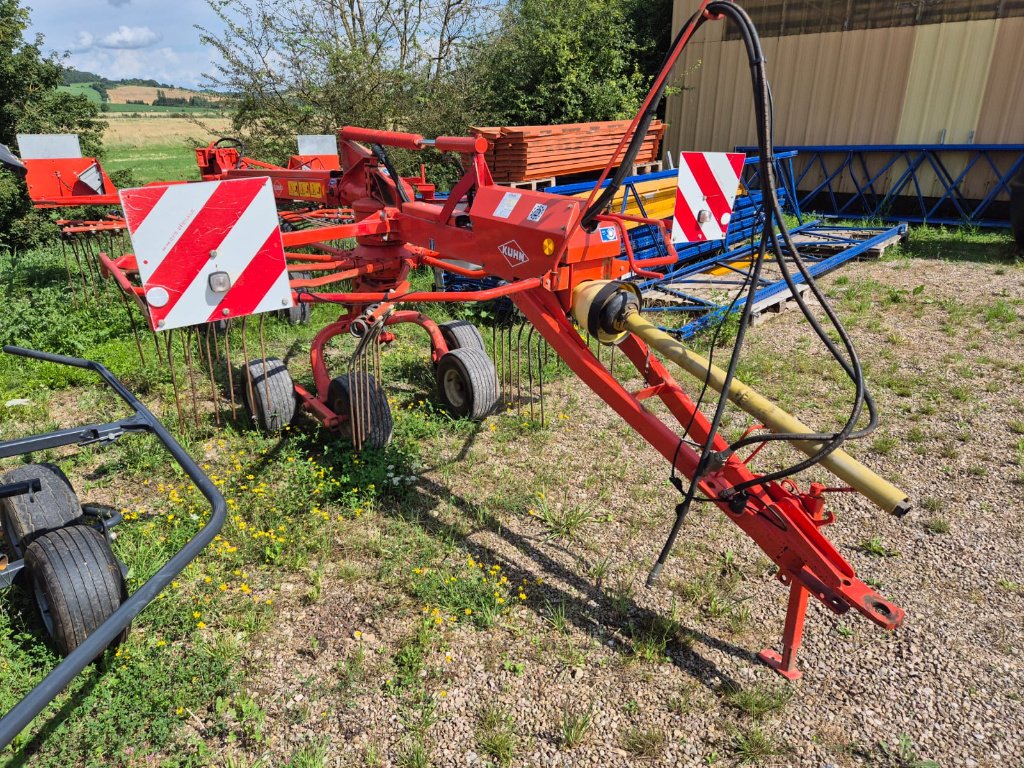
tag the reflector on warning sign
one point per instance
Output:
(705, 195)
(207, 251)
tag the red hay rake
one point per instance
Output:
(564, 263)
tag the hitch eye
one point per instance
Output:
(220, 282)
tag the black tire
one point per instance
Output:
(461, 334)
(77, 583)
(29, 516)
(467, 383)
(302, 311)
(1017, 209)
(373, 417)
(273, 393)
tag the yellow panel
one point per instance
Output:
(946, 84)
(1002, 110)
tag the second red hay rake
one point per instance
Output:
(562, 267)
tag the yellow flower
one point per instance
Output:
(443, 694)
(207, 580)
(179, 711)
(522, 595)
(222, 587)
(245, 589)
(493, 428)
(161, 643)
(358, 634)
(201, 625)
(469, 611)
(175, 584)
(196, 614)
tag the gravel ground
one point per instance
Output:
(946, 687)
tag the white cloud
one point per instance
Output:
(84, 42)
(163, 64)
(128, 38)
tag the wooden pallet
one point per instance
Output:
(543, 152)
(533, 184)
(821, 245)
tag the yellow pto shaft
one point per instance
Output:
(839, 462)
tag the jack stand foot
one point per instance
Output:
(772, 658)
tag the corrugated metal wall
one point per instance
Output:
(954, 82)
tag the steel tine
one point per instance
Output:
(245, 363)
(519, 367)
(209, 364)
(529, 368)
(263, 357)
(134, 325)
(541, 350)
(67, 268)
(174, 380)
(231, 377)
(186, 344)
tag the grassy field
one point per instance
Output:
(158, 148)
(82, 89)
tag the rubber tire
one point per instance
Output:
(375, 410)
(302, 311)
(53, 507)
(273, 414)
(467, 383)
(1017, 209)
(75, 571)
(461, 334)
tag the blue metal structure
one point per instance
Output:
(888, 180)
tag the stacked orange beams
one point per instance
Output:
(527, 153)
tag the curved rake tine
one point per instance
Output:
(529, 366)
(209, 364)
(134, 325)
(186, 343)
(245, 363)
(174, 380)
(519, 367)
(231, 376)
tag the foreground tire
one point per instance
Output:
(1017, 209)
(467, 383)
(371, 417)
(28, 516)
(461, 334)
(273, 403)
(77, 583)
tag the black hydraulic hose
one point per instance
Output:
(763, 102)
(607, 194)
(385, 160)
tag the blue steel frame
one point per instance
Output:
(851, 162)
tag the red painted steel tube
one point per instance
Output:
(385, 138)
(371, 226)
(464, 144)
(430, 261)
(509, 289)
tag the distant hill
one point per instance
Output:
(72, 76)
(136, 94)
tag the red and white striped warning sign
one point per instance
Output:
(705, 195)
(207, 251)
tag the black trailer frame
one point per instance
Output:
(142, 421)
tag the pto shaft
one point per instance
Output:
(609, 310)
(839, 462)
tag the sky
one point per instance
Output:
(152, 39)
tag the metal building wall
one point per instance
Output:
(953, 82)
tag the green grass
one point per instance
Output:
(152, 162)
(82, 89)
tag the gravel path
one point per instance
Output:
(948, 686)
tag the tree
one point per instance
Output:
(312, 66)
(560, 61)
(30, 102)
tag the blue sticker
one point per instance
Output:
(609, 235)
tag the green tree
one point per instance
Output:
(30, 102)
(560, 61)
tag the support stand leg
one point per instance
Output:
(785, 664)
